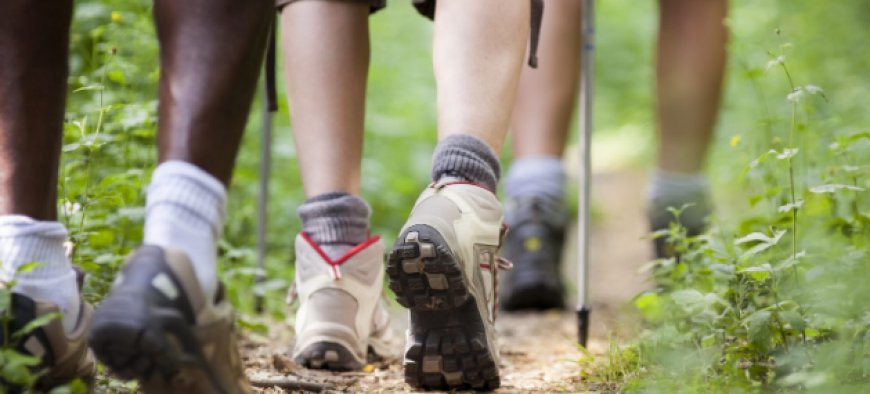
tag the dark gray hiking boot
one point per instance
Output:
(156, 326)
(534, 245)
(443, 267)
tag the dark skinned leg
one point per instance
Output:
(211, 52)
(34, 44)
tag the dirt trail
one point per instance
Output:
(538, 350)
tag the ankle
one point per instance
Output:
(185, 210)
(539, 177)
(677, 190)
(337, 222)
(466, 158)
(23, 241)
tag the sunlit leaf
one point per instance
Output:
(791, 206)
(649, 304)
(831, 188)
(787, 153)
(760, 237)
(758, 273)
(758, 325)
(38, 322)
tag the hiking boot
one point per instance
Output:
(65, 357)
(156, 326)
(692, 219)
(534, 245)
(443, 267)
(341, 320)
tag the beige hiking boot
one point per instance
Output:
(65, 357)
(443, 267)
(156, 326)
(341, 320)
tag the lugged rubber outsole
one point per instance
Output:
(329, 356)
(139, 341)
(448, 347)
(423, 272)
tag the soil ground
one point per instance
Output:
(538, 350)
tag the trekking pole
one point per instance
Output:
(586, 97)
(270, 105)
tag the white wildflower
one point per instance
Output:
(795, 95)
(813, 89)
(775, 62)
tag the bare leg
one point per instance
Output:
(691, 62)
(211, 51)
(326, 47)
(690, 65)
(34, 43)
(210, 55)
(547, 95)
(536, 180)
(478, 53)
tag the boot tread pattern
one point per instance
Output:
(448, 347)
(423, 272)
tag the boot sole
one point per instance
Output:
(151, 344)
(447, 343)
(533, 296)
(329, 356)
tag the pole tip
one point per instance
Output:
(583, 325)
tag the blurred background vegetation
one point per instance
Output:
(109, 154)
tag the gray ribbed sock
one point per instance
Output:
(536, 177)
(670, 189)
(335, 221)
(466, 158)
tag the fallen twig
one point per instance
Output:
(290, 383)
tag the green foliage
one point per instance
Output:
(772, 298)
(16, 368)
(108, 135)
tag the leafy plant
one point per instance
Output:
(778, 303)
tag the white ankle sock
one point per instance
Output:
(24, 240)
(185, 210)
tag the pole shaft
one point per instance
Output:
(587, 62)
(263, 198)
(586, 99)
(269, 104)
